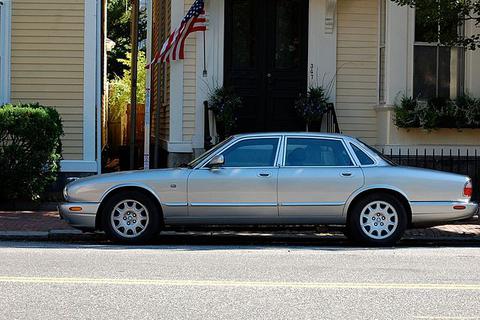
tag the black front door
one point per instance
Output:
(266, 45)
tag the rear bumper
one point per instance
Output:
(424, 212)
(83, 219)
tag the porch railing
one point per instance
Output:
(329, 121)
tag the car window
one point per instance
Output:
(205, 155)
(252, 153)
(316, 152)
(364, 159)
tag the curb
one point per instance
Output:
(77, 235)
(61, 234)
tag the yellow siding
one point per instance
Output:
(189, 83)
(357, 43)
(160, 79)
(47, 62)
(165, 120)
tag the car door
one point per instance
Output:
(243, 188)
(316, 178)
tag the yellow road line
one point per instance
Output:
(445, 318)
(241, 283)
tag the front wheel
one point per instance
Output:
(378, 219)
(131, 217)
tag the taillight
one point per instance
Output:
(468, 189)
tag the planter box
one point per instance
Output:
(442, 136)
(389, 135)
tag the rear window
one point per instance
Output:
(364, 159)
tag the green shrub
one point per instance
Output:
(224, 103)
(463, 112)
(405, 113)
(313, 105)
(30, 150)
(120, 88)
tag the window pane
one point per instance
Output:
(362, 156)
(243, 34)
(450, 77)
(382, 22)
(316, 152)
(287, 34)
(251, 153)
(381, 80)
(424, 72)
(425, 29)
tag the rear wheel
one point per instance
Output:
(130, 216)
(377, 219)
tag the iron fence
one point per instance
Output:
(461, 161)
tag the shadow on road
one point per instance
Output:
(243, 241)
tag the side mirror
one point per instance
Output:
(216, 161)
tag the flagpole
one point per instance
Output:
(148, 80)
(204, 56)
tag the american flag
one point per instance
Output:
(173, 47)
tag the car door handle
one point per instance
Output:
(346, 174)
(264, 174)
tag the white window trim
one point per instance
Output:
(384, 47)
(91, 94)
(5, 39)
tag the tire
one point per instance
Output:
(377, 219)
(130, 217)
(347, 232)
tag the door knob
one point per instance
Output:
(264, 174)
(269, 75)
(346, 174)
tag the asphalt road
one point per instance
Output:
(41, 280)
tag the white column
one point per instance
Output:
(90, 80)
(5, 40)
(176, 83)
(399, 48)
(214, 64)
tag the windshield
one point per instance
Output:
(205, 155)
(378, 153)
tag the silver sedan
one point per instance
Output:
(273, 178)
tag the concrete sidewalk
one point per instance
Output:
(44, 225)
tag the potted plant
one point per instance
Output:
(224, 103)
(312, 105)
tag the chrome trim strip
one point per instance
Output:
(176, 204)
(233, 204)
(312, 204)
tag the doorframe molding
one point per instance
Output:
(322, 44)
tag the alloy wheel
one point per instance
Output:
(129, 218)
(379, 220)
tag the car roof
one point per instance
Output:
(303, 134)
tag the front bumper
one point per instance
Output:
(431, 213)
(84, 218)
